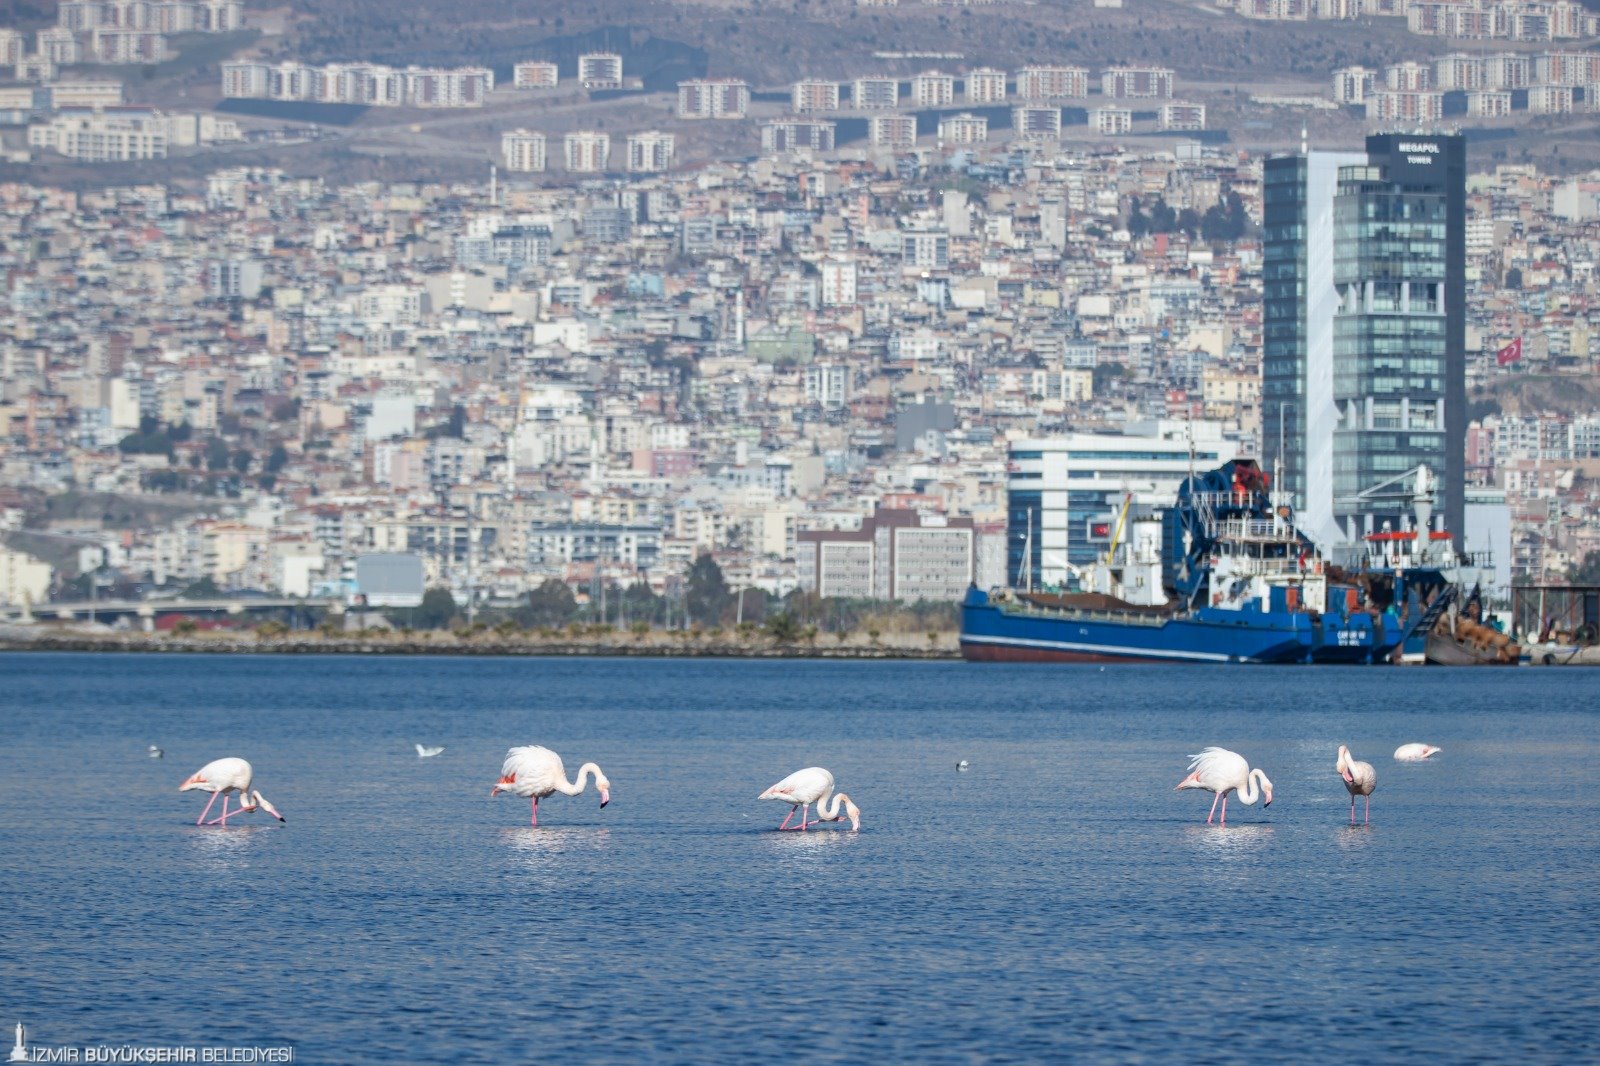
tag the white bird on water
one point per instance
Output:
(812, 785)
(155, 752)
(428, 751)
(536, 772)
(1222, 771)
(962, 765)
(222, 777)
(1359, 779)
(1415, 752)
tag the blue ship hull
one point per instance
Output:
(1011, 633)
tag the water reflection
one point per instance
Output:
(535, 847)
(225, 849)
(1354, 837)
(1229, 839)
(808, 846)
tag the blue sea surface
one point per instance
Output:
(1058, 900)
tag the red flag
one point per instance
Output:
(1509, 354)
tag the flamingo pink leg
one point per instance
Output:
(785, 824)
(1352, 808)
(1369, 809)
(1224, 809)
(805, 816)
(201, 820)
(224, 819)
(1213, 813)
(536, 811)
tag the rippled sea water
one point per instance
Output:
(1057, 900)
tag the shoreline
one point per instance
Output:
(448, 644)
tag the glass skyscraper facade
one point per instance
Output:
(1364, 277)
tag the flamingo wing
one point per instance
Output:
(803, 786)
(1218, 769)
(533, 770)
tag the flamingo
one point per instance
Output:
(1222, 771)
(1415, 752)
(223, 776)
(812, 785)
(537, 772)
(1359, 777)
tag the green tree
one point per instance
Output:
(437, 609)
(217, 454)
(551, 604)
(708, 594)
(783, 628)
(204, 589)
(277, 459)
(1586, 572)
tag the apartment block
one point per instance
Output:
(1489, 103)
(716, 98)
(1566, 68)
(11, 48)
(813, 95)
(1052, 83)
(789, 135)
(1114, 121)
(1036, 122)
(897, 554)
(650, 152)
(1137, 83)
(524, 151)
(115, 135)
(1417, 108)
(985, 85)
(933, 89)
(600, 70)
(535, 74)
(369, 84)
(68, 94)
(1410, 76)
(1180, 115)
(1551, 99)
(1352, 85)
(892, 131)
(838, 282)
(586, 151)
(875, 94)
(965, 128)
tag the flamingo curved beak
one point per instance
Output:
(1268, 802)
(1347, 778)
(270, 809)
(605, 797)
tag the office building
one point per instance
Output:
(1363, 363)
(897, 554)
(1064, 493)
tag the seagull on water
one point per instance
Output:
(962, 765)
(428, 751)
(155, 752)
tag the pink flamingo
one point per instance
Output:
(1222, 771)
(812, 785)
(537, 772)
(221, 777)
(1359, 779)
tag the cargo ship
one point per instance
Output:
(1223, 576)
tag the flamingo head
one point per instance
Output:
(261, 801)
(854, 812)
(1429, 751)
(1343, 765)
(604, 786)
(503, 785)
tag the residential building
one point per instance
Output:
(985, 85)
(535, 74)
(875, 94)
(1181, 116)
(650, 152)
(1398, 107)
(789, 135)
(965, 128)
(933, 89)
(1352, 85)
(814, 95)
(714, 98)
(523, 151)
(1052, 83)
(586, 151)
(1112, 121)
(600, 70)
(1036, 122)
(897, 554)
(1137, 83)
(892, 131)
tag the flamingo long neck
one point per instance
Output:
(1249, 794)
(828, 808)
(586, 771)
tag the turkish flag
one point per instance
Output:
(1509, 354)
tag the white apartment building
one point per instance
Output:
(791, 135)
(965, 128)
(985, 85)
(1036, 122)
(1489, 103)
(23, 579)
(892, 131)
(650, 152)
(1137, 83)
(1551, 99)
(587, 151)
(1416, 108)
(933, 89)
(368, 84)
(1112, 121)
(1180, 115)
(838, 282)
(875, 94)
(1352, 85)
(1410, 76)
(713, 98)
(828, 384)
(523, 151)
(1052, 83)
(600, 70)
(64, 94)
(11, 48)
(535, 74)
(116, 135)
(812, 95)
(925, 249)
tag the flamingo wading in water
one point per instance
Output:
(222, 777)
(812, 785)
(537, 772)
(1359, 778)
(1415, 752)
(1222, 771)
